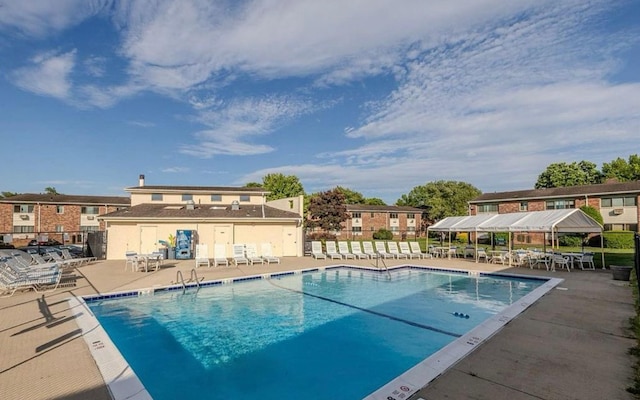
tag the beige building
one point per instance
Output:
(215, 215)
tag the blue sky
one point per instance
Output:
(378, 96)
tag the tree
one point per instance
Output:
(50, 190)
(622, 170)
(440, 199)
(7, 194)
(282, 186)
(327, 210)
(350, 196)
(374, 201)
(574, 174)
(253, 185)
(593, 213)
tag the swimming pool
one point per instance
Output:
(335, 333)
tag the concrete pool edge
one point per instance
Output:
(422, 374)
(123, 383)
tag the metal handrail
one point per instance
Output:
(384, 264)
(179, 275)
(194, 274)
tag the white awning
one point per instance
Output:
(568, 220)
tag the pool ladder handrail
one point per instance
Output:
(384, 264)
(193, 277)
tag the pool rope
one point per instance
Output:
(377, 313)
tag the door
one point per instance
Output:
(223, 234)
(148, 239)
(289, 241)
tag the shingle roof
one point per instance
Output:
(67, 199)
(220, 189)
(377, 208)
(173, 211)
(585, 190)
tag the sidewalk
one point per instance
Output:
(572, 344)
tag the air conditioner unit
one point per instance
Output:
(24, 217)
(90, 217)
(618, 211)
(356, 221)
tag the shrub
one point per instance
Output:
(321, 236)
(618, 240)
(570, 240)
(593, 213)
(462, 237)
(383, 234)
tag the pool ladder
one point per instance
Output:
(384, 264)
(192, 278)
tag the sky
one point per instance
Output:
(378, 96)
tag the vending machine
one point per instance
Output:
(185, 244)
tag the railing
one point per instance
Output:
(193, 278)
(379, 258)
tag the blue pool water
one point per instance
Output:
(338, 334)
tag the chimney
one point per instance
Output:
(141, 180)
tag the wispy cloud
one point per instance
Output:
(175, 170)
(142, 124)
(48, 74)
(235, 126)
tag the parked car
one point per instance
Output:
(4, 245)
(50, 242)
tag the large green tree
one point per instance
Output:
(7, 194)
(623, 170)
(440, 199)
(563, 174)
(50, 190)
(282, 186)
(327, 210)
(374, 201)
(351, 196)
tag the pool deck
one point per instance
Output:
(571, 344)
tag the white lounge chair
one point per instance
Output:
(202, 255)
(251, 251)
(11, 281)
(382, 250)
(416, 250)
(220, 255)
(356, 250)
(66, 254)
(393, 250)
(238, 255)
(367, 248)
(316, 250)
(267, 254)
(332, 252)
(343, 249)
(404, 249)
(130, 256)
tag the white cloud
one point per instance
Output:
(42, 17)
(233, 125)
(47, 74)
(176, 170)
(142, 124)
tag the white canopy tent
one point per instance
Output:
(549, 221)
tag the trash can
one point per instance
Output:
(621, 272)
(172, 253)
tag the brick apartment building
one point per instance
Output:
(65, 218)
(364, 220)
(616, 201)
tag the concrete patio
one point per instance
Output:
(572, 344)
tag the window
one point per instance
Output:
(93, 210)
(411, 215)
(156, 196)
(356, 215)
(395, 229)
(216, 197)
(626, 201)
(411, 228)
(23, 229)
(23, 208)
(393, 215)
(560, 204)
(372, 215)
(59, 228)
(89, 228)
(59, 209)
(356, 229)
(187, 197)
(487, 208)
(245, 197)
(524, 206)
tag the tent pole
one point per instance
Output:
(476, 251)
(509, 248)
(602, 248)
